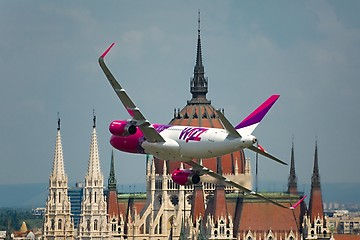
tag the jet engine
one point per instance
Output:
(185, 177)
(122, 128)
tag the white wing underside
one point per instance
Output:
(138, 118)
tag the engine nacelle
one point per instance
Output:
(122, 128)
(248, 140)
(185, 177)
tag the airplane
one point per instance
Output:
(185, 143)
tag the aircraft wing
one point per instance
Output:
(227, 181)
(138, 118)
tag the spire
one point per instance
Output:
(94, 119)
(112, 178)
(198, 203)
(94, 171)
(58, 122)
(199, 83)
(58, 171)
(292, 182)
(315, 179)
(315, 203)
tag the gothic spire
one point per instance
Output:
(315, 179)
(94, 171)
(58, 170)
(292, 182)
(112, 178)
(316, 208)
(199, 83)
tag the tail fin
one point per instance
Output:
(248, 125)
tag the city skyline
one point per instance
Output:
(306, 52)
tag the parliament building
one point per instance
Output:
(170, 211)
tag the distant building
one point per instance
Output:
(2, 234)
(23, 233)
(39, 211)
(75, 194)
(343, 222)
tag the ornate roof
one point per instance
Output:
(200, 113)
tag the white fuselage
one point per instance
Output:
(184, 143)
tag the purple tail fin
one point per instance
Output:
(248, 125)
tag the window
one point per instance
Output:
(95, 225)
(52, 224)
(59, 224)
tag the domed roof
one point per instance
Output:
(200, 113)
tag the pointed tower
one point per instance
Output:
(58, 223)
(112, 202)
(219, 223)
(93, 222)
(199, 83)
(292, 182)
(315, 222)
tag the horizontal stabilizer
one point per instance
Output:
(262, 152)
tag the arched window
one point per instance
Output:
(95, 225)
(59, 224)
(52, 224)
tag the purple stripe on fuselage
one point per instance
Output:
(159, 127)
(258, 114)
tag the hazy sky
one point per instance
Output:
(307, 51)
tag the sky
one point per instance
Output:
(306, 51)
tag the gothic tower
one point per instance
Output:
(115, 219)
(93, 222)
(292, 182)
(315, 222)
(58, 223)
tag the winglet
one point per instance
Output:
(251, 121)
(107, 50)
(298, 203)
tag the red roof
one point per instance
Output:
(346, 237)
